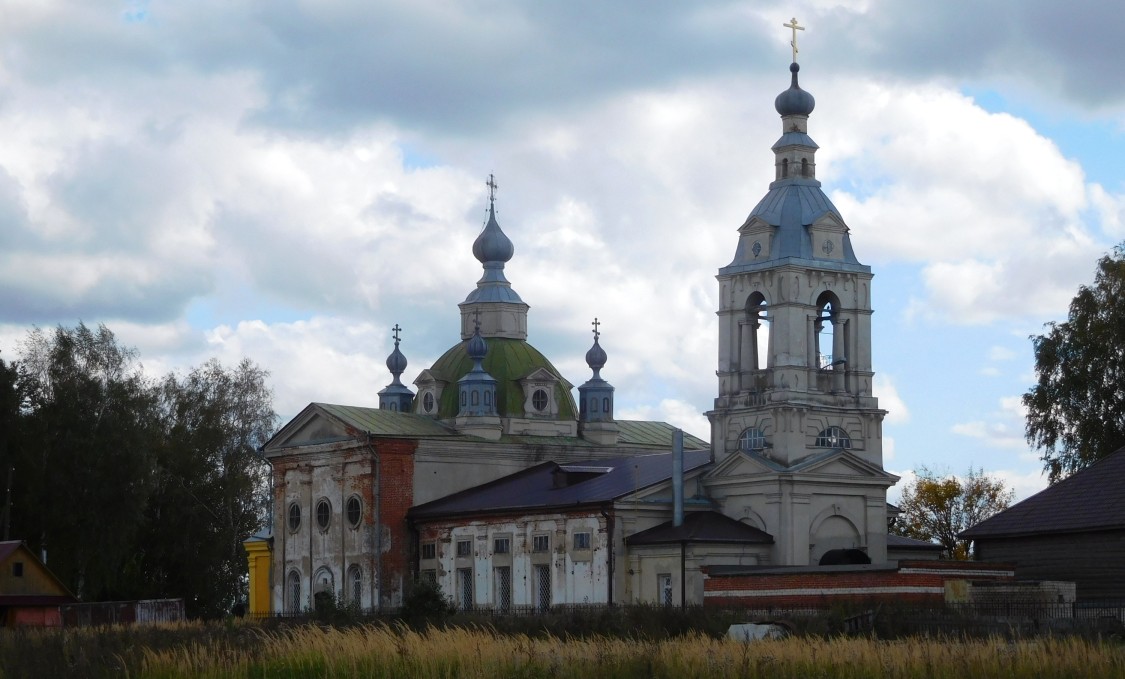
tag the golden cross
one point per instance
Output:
(793, 43)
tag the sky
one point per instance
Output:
(286, 181)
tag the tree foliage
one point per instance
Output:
(1076, 410)
(937, 508)
(135, 488)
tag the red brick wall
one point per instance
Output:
(396, 460)
(913, 581)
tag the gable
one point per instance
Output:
(311, 426)
(832, 463)
(23, 574)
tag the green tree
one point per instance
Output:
(937, 508)
(1076, 410)
(211, 484)
(83, 473)
(9, 430)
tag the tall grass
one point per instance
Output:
(400, 653)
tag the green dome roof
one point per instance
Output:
(508, 361)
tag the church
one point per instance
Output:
(492, 480)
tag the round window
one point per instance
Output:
(428, 402)
(294, 516)
(355, 511)
(323, 514)
(539, 400)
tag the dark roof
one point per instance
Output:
(534, 488)
(8, 547)
(379, 422)
(701, 527)
(35, 600)
(900, 542)
(1090, 500)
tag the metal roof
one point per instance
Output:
(655, 434)
(901, 542)
(535, 488)
(1090, 500)
(701, 527)
(386, 422)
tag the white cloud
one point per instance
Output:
(998, 353)
(884, 389)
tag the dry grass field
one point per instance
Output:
(250, 650)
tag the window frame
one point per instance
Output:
(467, 544)
(293, 516)
(505, 541)
(356, 502)
(588, 539)
(749, 435)
(546, 543)
(326, 522)
(428, 547)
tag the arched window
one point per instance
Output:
(355, 585)
(475, 398)
(293, 595)
(827, 343)
(752, 438)
(593, 404)
(323, 584)
(323, 513)
(487, 398)
(605, 404)
(754, 336)
(833, 437)
(804, 167)
(784, 168)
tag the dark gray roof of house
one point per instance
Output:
(701, 527)
(1090, 500)
(534, 488)
(900, 542)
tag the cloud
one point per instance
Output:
(889, 400)
(1004, 428)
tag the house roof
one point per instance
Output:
(1090, 500)
(704, 526)
(9, 549)
(535, 488)
(900, 542)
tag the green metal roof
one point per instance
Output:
(508, 361)
(655, 434)
(386, 422)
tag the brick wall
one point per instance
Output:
(912, 581)
(396, 460)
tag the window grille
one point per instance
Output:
(323, 514)
(539, 400)
(465, 588)
(429, 576)
(428, 402)
(541, 543)
(582, 541)
(833, 437)
(294, 516)
(542, 587)
(503, 578)
(665, 582)
(429, 550)
(752, 438)
(294, 592)
(464, 548)
(502, 546)
(355, 511)
(355, 581)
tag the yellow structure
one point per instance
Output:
(259, 551)
(30, 594)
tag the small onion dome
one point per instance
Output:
(492, 245)
(794, 101)
(477, 348)
(396, 362)
(596, 357)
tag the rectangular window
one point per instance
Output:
(464, 548)
(429, 550)
(17, 569)
(664, 588)
(542, 588)
(582, 541)
(502, 586)
(465, 588)
(541, 543)
(502, 546)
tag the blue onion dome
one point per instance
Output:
(477, 348)
(596, 356)
(396, 362)
(492, 245)
(794, 101)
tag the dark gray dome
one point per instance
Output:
(794, 101)
(477, 348)
(596, 357)
(396, 362)
(492, 245)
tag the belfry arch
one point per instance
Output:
(753, 340)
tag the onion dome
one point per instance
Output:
(596, 356)
(793, 101)
(493, 245)
(477, 349)
(396, 396)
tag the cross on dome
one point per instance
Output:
(396, 330)
(492, 186)
(793, 43)
(596, 324)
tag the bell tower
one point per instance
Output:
(795, 428)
